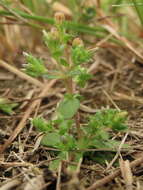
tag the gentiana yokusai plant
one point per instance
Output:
(65, 132)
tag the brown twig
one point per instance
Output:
(10, 184)
(15, 164)
(126, 174)
(22, 123)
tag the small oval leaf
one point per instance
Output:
(51, 139)
(68, 107)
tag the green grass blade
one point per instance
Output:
(98, 31)
(29, 4)
(117, 2)
(139, 10)
(28, 16)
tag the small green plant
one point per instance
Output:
(65, 132)
(6, 106)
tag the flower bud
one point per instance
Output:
(77, 42)
(54, 33)
(59, 17)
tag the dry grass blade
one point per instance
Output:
(21, 74)
(6, 76)
(14, 164)
(127, 97)
(28, 97)
(37, 143)
(125, 41)
(87, 109)
(127, 174)
(112, 29)
(35, 183)
(118, 151)
(109, 97)
(11, 184)
(58, 185)
(22, 123)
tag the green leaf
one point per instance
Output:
(77, 156)
(64, 126)
(68, 107)
(52, 41)
(57, 53)
(83, 143)
(99, 143)
(119, 121)
(80, 75)
(64, 62)
(34, 66)
(102, 135)
(68, 143)
(139, 10)
(51, 139)
(54, 165)
(41, 124)
(114, 144)
(67, 37)
(100, 157)
(108, 118)
(55, 75)
(6, 106)
(80, 55)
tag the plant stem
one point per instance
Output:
(70, 90)
(138, 10)
(69, 85)
(77, 120)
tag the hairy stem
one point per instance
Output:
(69, 85)
(77, 121)
(70, 89)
